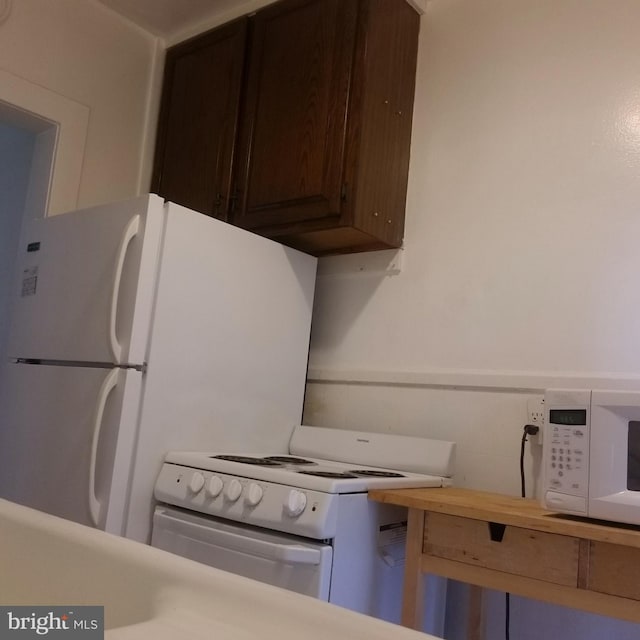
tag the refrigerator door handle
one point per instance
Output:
(109, 384)
(129, 234)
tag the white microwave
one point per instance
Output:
(591, 454)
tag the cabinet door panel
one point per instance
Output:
(382, 107)
(293, 129)
(198, 120)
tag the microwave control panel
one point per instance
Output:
(566, 453)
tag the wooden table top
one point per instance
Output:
(509, 510)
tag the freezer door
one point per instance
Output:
(59, 437)
(84, 284)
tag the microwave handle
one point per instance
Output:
(290, 553)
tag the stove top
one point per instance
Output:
(302, 472)
(322, 477)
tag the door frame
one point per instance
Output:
(60, 126)
(65, 123)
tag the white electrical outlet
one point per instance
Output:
(535, 415)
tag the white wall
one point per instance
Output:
(520, 265)
(520, 261)
(84, 52)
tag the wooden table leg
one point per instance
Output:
(413, 591)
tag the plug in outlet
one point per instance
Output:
(535, 415)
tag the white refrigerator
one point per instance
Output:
(137, 328)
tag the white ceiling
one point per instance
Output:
(173, 19)
(167, 18)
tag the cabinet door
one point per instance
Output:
(198, 120)
(292, 138)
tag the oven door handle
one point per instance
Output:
(290, 553)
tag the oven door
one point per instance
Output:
(279, 559)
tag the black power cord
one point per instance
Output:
(528, 430)
(507, 614)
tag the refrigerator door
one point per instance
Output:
(84, 284)
(59, 440)
(228, 352)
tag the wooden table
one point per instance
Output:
(512, 545)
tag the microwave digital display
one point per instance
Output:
(570, 417)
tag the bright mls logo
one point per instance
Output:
(78, 623)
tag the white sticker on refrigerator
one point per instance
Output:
(29, 281)
(391, 542)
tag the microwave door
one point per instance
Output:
(614, 460)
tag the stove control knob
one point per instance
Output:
(197, 482)
(214, 486)
(254, 494)
(233, 490)
(296, 503)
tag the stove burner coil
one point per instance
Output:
(289, 460)
(373, 473)
(329, 474)
(261, 462)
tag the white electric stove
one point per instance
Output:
(302, 519)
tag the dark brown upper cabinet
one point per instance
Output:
(198, 120)
(323, 121)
